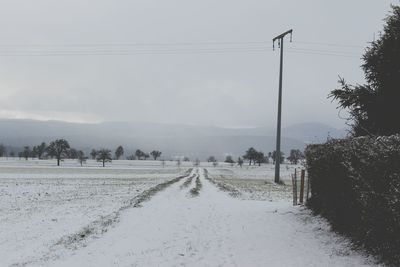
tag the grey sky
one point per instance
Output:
(201, 62)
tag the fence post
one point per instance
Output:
(294, 184)
(303, 173)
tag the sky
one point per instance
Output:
(181, 61)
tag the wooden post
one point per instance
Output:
(303, 173)
(293, 192)
(294, 184)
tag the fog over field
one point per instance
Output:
(172, 139)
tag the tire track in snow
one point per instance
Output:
(100, 226)
(233, 192)
(213, 229)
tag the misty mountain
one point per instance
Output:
(171, 139)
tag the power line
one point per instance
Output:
(328, 44)
(173, 44)
(324, 51)
(137, 52)
(135, 44)
(323, 54)
(156, 49)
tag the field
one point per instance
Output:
(145, 213)
(40, 203)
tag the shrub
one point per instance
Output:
(355, 184)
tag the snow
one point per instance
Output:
(172, 228)
(39, 205)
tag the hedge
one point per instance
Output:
(355, 184)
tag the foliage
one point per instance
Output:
(355, 184)
(373, 107)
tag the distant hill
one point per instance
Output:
(171, 139)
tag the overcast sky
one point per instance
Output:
(207, 62)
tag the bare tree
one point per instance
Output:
(229, 159)
(240, 162)
(155, 154)
(59, 149)
(73, 153)
(104, 155)
(81, 157)
(139, 154)
(40, 150)
(259, 158)
(2, 150)
(211, 159)
(295, 156)
(282, 158)
(119, 152)
(93, 153)
(26, 152)
(131, 157)
(251, 155)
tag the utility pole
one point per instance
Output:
(278, 130)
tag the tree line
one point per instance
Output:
(60, 149)
(252, 156)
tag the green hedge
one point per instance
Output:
(355, 184)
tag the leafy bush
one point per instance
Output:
(355, 184)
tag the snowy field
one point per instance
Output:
(141, 213)
(255, 182)
(41, 203)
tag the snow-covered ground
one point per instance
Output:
(256, 182)
(48, 216)
(41, 203)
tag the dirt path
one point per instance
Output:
(192, 223)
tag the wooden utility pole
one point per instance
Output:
(278, 130)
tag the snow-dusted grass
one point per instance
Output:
(264, 172)
(255, 182)
(40, 204)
